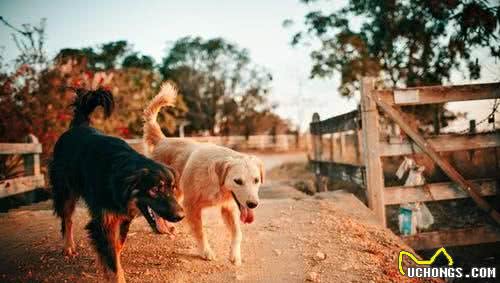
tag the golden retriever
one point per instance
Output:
(209, 175)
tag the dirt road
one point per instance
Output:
(286, 244)
(292, 240)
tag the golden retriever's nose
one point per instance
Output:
(252, 204)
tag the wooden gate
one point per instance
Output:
(376, 103)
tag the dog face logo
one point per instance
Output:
(154, 192)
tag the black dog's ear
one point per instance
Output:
(132, 183)
(175, 181)
(135, 178)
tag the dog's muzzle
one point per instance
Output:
(246, 213)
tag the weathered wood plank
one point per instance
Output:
(340, 123)
(435, 192)
(373, 164)
(449, 170)
(440, 94)
(20, 148)
(450, 238)
(342, 148)
(443, 143)
(347, 172)
(346, 163)
(20, 185)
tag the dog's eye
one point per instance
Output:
(256, 180)
(238, 181)
(153, 191)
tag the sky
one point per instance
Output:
(151, 25)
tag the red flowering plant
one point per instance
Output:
(35, 97)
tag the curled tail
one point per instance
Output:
(166, 97)
(85, 103)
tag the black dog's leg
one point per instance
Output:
(67, 227)
(123, 232)
(64, 206)
(105, 236)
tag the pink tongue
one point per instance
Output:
(246, 215)
(163, 226)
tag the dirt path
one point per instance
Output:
(281, 246)
(333, 239)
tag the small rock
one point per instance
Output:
(277, 252)
(320, 256)
(344, 267)
(312, 277)
(240, 277)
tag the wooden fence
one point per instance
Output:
(32, 178)
(31, 151)
(359, 146)
(257, 142)
(337, 151)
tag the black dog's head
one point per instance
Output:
(153, 188)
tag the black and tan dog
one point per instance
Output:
(116, 182)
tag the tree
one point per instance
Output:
(135, 60)
(30, 42)
(132, 89)
(133, 82)
(33, 99)
(211, 74)
(111, 55)
(107, 55)
(406, 43)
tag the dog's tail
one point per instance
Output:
(85, 103)
(166, 97)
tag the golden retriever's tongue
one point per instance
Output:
(246, 215)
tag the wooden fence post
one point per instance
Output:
(332, 147)
(317, 147)
(373, 164)
(31, 161)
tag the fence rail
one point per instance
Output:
(32, 178)
(341, 123)
(355, 139)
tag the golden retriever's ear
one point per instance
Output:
(217, 171)
(260, 164)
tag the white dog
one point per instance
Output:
(209, 175)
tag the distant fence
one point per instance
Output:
(257, 142)
(32, 178)
(336, 146)
(354, 148)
